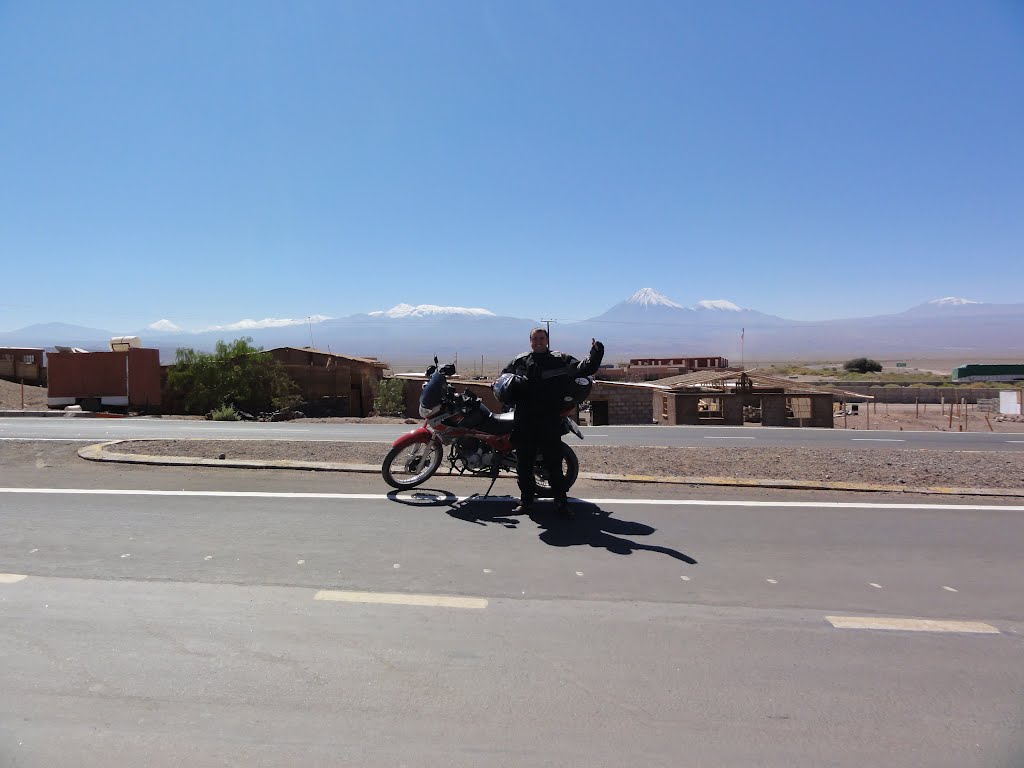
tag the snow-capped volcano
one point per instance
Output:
(722, 305)
(951, 301)
(164, 325)
(426, 310)
(648, 297)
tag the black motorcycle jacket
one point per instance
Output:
(546, 379)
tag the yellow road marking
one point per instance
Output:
(432, 601)
(911, 625)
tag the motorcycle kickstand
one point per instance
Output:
(494, 478)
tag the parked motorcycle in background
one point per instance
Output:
(477, 440)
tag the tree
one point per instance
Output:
(389, 397)
(237, 373)
(862, 365)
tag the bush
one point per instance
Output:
(863, 365)
(389, 397)
(236, 374)
(225, 413)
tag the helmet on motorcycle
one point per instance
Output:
(508, 388)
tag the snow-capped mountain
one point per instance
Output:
(720, 305)
(429, 310)
(952, 301)
(648, 297)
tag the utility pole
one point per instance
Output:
(548, 323)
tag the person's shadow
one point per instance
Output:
(591, 525)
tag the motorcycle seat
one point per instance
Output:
(498, 424)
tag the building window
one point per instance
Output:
(798, 407)
(664, 407)
(28, 359)
(709, 407)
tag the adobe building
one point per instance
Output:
(343, 385)
(23, 364)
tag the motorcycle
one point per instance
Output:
(478, 440)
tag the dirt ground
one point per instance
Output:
(885, 466)
(927, 417)
(11, 397)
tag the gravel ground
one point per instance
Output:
(884, 466)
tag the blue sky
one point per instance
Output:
(206, 162)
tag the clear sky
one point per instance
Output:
(210, 161)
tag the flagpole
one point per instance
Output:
(743, 333)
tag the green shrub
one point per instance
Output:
(225, 413)
(237, 373)
(389, 397)
(863, 365)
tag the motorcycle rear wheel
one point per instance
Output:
(410, 465)
(570, 469)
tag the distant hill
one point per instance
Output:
(646, 323)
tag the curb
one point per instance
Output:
(99, 452)
(50, 414)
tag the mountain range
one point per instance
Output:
(647, 323)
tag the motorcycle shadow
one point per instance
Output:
(590, 526)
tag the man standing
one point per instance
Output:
(545, 379)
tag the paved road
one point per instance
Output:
(171, 616)
(127, 429)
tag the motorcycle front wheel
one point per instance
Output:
(410, 465)
(570, 470)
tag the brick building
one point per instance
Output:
(652, 368)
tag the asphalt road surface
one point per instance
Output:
(60, 428)
(171, 616)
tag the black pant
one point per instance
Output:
(527, 447)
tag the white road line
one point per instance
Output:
(911, 625)
(876, 586)
(11, 578)
(877, 440)
(385, 598)
(1015, 441)
(596, 502)
(727, 437)
(950, 589)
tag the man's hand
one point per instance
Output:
(596, 346)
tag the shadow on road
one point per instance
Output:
(591, 526)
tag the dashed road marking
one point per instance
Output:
(727, 437)
(876, 586)
(877, 440)
(772, 581)
(11, 578)
(685, 578)
(950, 589)
(911, 625)
(386, 598)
